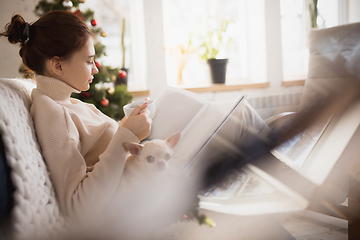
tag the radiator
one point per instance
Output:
(269, 105)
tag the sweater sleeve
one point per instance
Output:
(79, 192)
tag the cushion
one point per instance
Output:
(334, 59)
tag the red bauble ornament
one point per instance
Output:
(122, 74)
(79, 14)
(97, 64)
(104, 102)
(85, 94)
(93, 22)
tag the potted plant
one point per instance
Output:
(213, 42)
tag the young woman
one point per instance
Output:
(82, 147)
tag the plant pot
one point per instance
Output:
(123, 80)
(218, 70)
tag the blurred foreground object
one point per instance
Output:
(255, 146)
(331, 89)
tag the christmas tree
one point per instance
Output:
(108, 96)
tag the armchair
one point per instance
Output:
(334, 61)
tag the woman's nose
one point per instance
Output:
(94, 69)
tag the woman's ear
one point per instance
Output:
(56, 66)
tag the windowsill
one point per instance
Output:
(140, 93)
(290, 83)
(224, 87)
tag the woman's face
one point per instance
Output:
(78, 71)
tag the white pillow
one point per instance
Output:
(334, 60)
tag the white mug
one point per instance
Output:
(128, 108)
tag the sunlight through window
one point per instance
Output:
(186, 24)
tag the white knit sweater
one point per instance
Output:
(82, 147)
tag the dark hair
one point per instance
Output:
(56, 33)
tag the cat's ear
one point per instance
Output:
(174, 139)
(134, 148)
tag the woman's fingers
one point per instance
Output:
(138, 109)
(145, 112)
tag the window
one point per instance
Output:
(110, 15)
(295, 26)
(109, 19)
(329, 13)
(186, 22)
(293, 37)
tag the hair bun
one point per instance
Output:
(17, 30)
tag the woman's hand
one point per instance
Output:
(139, 122)
(123, 119)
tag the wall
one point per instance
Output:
(354, 10)
(10, 60)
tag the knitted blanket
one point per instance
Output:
(36, 213)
